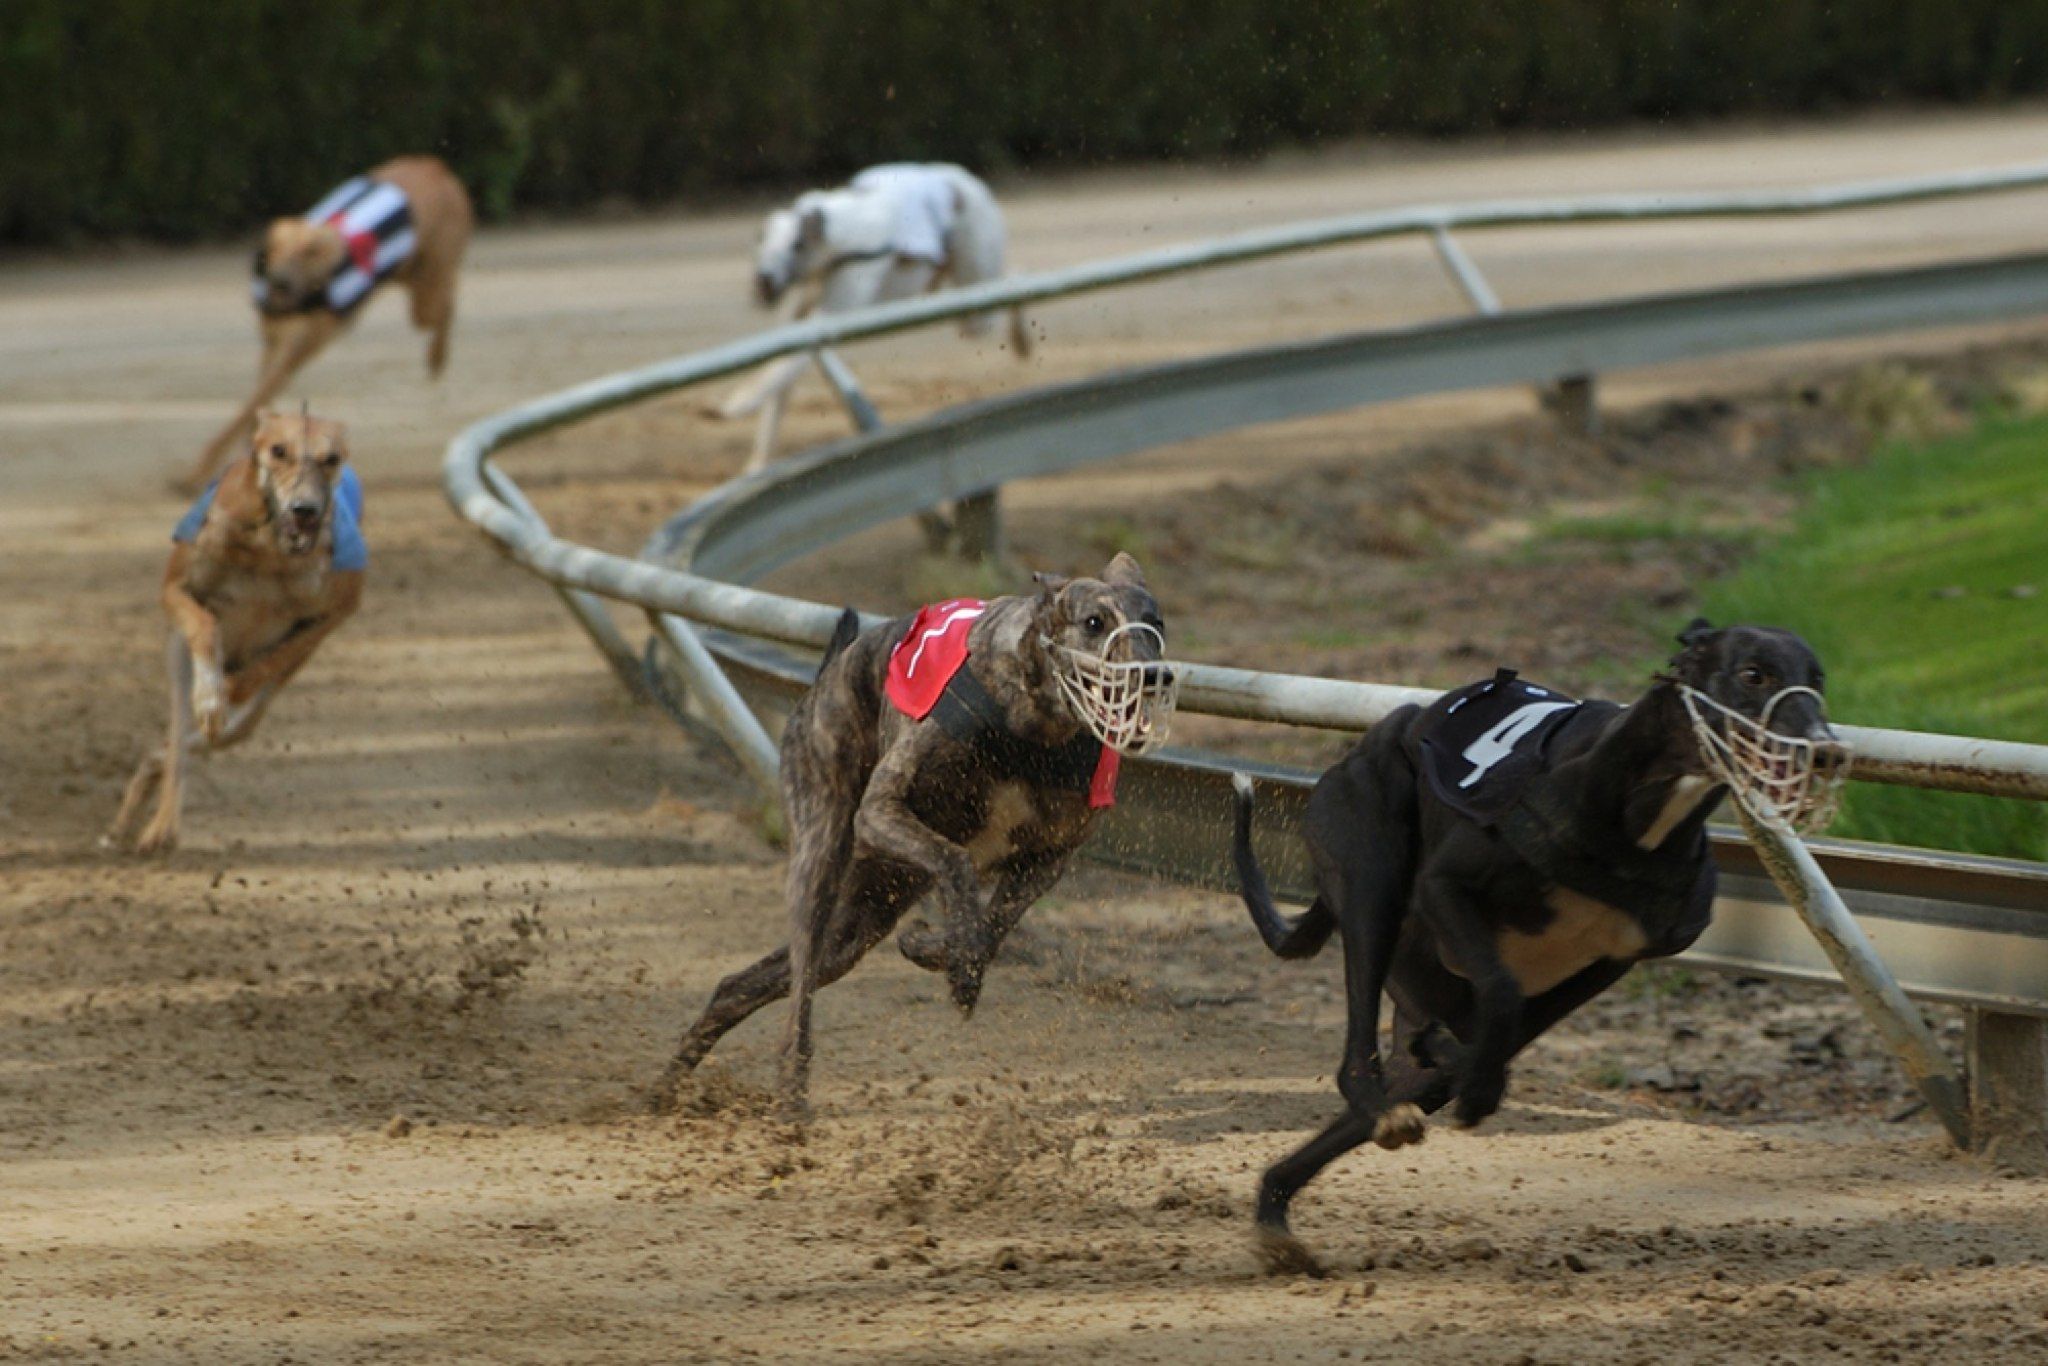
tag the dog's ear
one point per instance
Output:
(1697, 631)
(1124, 570)
(1049, 586)
(810, 224)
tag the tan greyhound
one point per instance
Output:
(264, 567)
(409, 220)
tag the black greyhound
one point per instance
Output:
(1496, 860)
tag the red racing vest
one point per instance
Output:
(926, 679)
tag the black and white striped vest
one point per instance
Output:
(374, 218)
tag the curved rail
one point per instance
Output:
(1974, 929)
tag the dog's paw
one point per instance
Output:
(966, 988)
(209, 701)
(1283, 1254)
(1475, 1104)
(158, 837)
(924, 946)
(1400, 1126)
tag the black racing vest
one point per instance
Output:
(1481, 747)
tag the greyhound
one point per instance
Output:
(893, 232)
(1497, 860)
(973, 741)
(263, 568)
(408, 220)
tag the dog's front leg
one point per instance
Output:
(161, 834)
(1465, 937)
(197, 628)
(971, 944)
(272, 670)
(885, 825)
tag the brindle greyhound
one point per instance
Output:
(1001, 780)
(1499, 859)
(263, 569)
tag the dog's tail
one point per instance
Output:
(1020, 334)
(843, 634)
(1301, 937)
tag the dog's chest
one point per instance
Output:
(1582, 931)
(256, 611)
(1020, 818)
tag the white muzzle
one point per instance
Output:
(1128, 704)
(1786, 783)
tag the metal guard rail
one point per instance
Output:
(753, 524)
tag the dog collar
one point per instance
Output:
(968, 712)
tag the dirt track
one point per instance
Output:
(355, 1074)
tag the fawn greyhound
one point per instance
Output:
(1496, 860)
(408, 220)
(974, 741)
(263, 568)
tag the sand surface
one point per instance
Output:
(357, 1074)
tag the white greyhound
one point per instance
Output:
(893, 232)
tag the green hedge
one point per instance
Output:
(180, 118)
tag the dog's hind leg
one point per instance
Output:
(140, 789)
(866, 913)
(287, 351)
(1361, 833)
(161, 834)
(1020, 335)
(821, 824)
(737, 996)
(433, 312)
(1282, 1251)
(767, 394)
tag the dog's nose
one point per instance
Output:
(304, 511)
(767, 289)
(1159, 675)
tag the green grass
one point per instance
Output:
(1901, 574)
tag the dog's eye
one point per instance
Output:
(277, 452)
(1752, 675)
(330, 461)
(1094, 624)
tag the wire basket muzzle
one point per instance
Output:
(1126, 703)
(1788, 782)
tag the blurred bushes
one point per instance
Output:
(177, 118)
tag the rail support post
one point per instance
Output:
(1573, 403)
(722, 702)
(588, 609)
(978, 527)
(1897, 1020)
(2008, 1068)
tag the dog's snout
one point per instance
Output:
(1159, 675)
(766, 288)
(304, 511)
